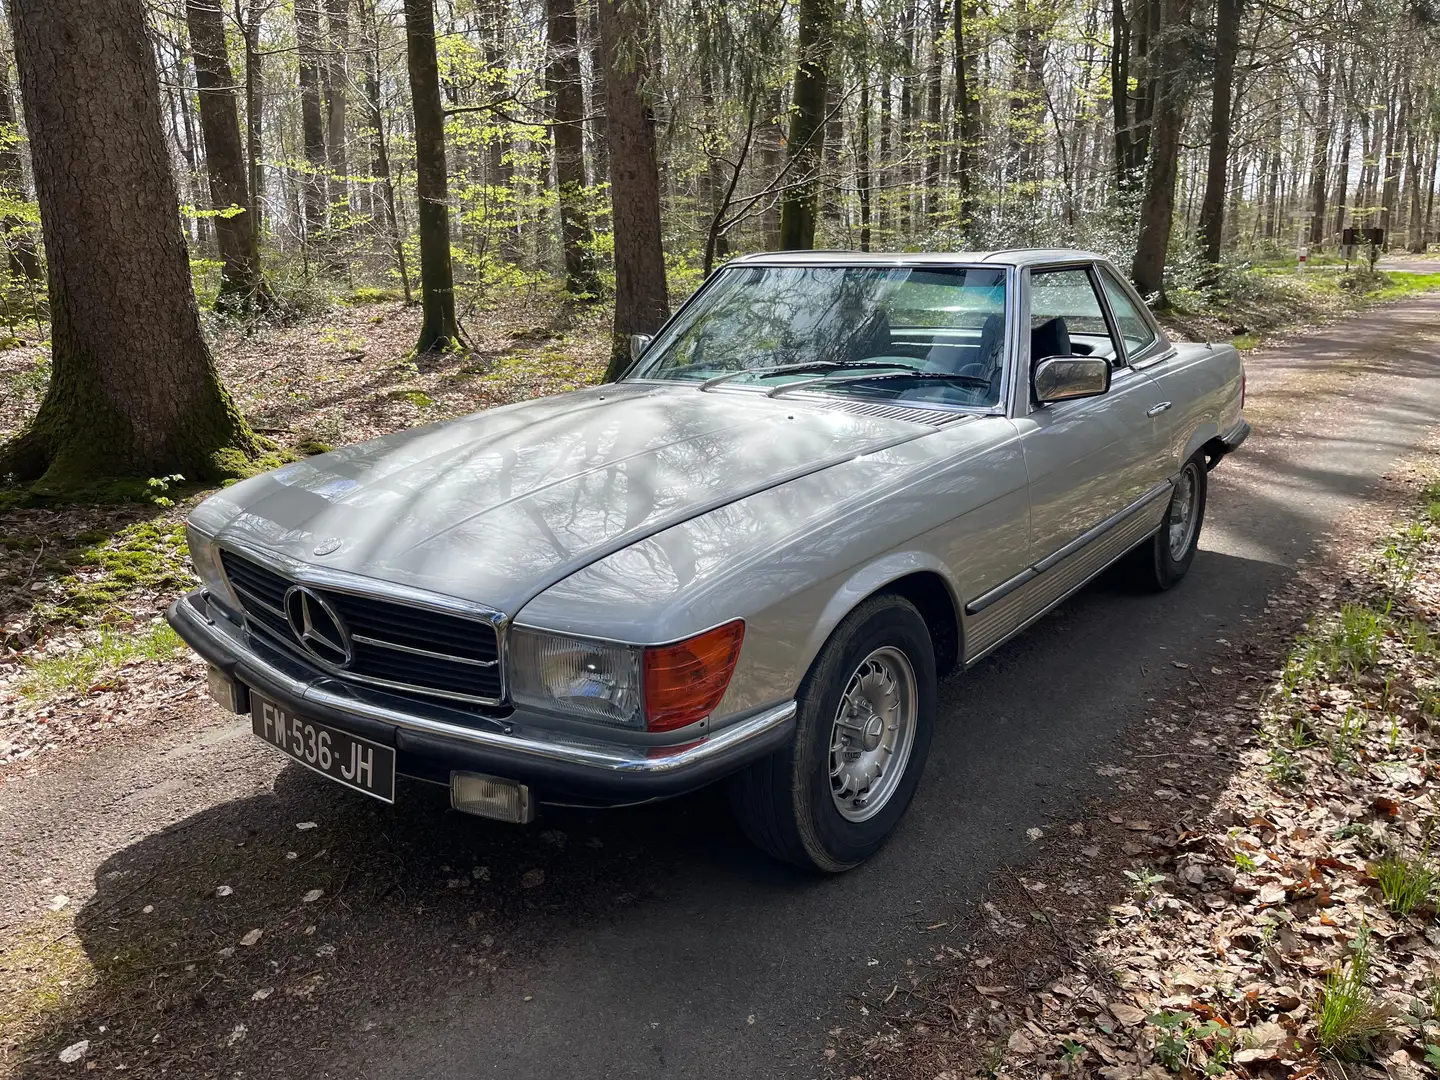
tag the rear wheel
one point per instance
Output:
(1163, 559)
(866, 714)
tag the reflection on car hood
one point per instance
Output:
(498, 506)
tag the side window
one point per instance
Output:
(1066, 318)
(1134, 329)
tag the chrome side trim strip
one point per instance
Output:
(1084, 569)
(1165, 487)
(1005, 588)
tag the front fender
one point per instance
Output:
(867, 580)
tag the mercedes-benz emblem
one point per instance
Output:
(316, 626)
(326, 547)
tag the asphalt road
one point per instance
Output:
(654, 942)
(737, 969)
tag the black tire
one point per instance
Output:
(1154, 566)
(784, 802)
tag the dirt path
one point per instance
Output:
(639, 943)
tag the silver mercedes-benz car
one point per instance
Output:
(829, 480)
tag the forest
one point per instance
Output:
(166, 165)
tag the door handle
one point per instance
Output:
(1156, 410)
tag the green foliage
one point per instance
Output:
(1144, 882)
(86, 667)
(147, 555)
(1405, 884)
(1348, 1018)
(1175, 1036)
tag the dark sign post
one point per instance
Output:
(1347, 245)
(1375, 239)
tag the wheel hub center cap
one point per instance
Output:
(871, 733)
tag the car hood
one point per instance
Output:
(496, 507)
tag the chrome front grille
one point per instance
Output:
(393, 644)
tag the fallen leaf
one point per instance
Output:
(252, 937)
(75, 1051)
(304, 826)
(313, 895)
(224, 890)
(1127, 1014)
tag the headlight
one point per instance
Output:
(592, 680)
(206, 557)
(655, 688)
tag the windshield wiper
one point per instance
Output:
(913, 376)
(797, 369)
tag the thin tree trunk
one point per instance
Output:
(133, 387)
(933, 134)
(337, 80)
(254, 87)
(20, 248)
(1157, 207)
(862, 157)
(439, 329)
(241, 286)
(1227, 46)
(595, 102)
(1394, 132)
(567, 97)
(772, 155)
(799, 207)
(967, 111)
(381, 152)
(312, 118)
(642, 299)
(1320, 157)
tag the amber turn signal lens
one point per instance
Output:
(685, 681)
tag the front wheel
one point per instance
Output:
(1163, 559)
(866, 715)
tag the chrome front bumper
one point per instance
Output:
(433, 740)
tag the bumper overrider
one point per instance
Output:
(561, 764)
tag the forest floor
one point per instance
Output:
(102, 711)
(1267, 909)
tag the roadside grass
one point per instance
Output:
(1405, 884)
(1348, 1018)
(85, 668)
(1251, 303)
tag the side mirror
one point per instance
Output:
(639, 343)
(1064, 378)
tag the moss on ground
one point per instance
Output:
(149, 556)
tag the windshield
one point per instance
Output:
(904, 333)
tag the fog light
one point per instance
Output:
(491, 797)
(228, 693)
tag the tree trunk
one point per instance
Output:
(241, 284)
(438, 329)
(337, 78)
(312, 118)
(1212, 207)
(772, 157)
(799, 207)
(933, 136)
(967, 111)
(133, 388)
(377, 131)
(862, 157)
(600, 146)
(254, 87)
(567, 97)
(1320, 157)
(1390, 191)
(20, 249)
(642, 300)
(1157, 206)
